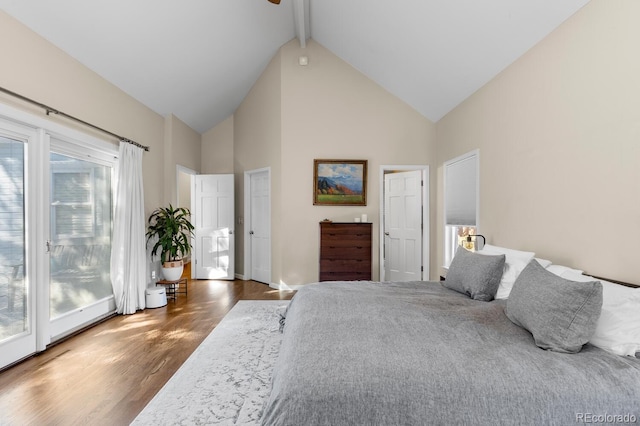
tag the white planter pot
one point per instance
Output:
(172, 271)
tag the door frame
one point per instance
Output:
(425, 216)
(246, 275)
(186, 171)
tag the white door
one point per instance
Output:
(213, 220)
(403, 226)
(260, 227)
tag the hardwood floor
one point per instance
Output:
(108, 373)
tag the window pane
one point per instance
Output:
(81, 234)
(71, 187)
(461, 191)
(13, 312)
(461, 201)
(73, 220)
(456, 236)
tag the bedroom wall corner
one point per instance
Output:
(558, 134)
(49, 75)
(332, 111)
(184, 145)
(256, 144)
(217, 148)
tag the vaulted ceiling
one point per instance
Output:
(198, 59)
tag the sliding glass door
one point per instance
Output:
(55, 235)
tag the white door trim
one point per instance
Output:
(247, 215)
(187, 171)
(425, 217)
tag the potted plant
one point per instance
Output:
(173, 230)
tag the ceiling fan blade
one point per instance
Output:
(274, 1)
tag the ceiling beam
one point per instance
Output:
(301, 21)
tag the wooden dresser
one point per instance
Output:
(345, 251)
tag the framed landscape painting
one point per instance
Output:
(340, 182)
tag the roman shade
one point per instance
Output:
(461, 184)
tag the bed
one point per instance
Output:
(372, 353)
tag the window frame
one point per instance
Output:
(450, 240)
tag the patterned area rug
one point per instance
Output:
(227, 379)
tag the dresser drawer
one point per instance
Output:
(345, 265)
(345, 276)
(350, 233)
(345, 252)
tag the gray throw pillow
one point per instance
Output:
(476, 275)
(560, 314)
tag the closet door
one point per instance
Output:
(403, 226)
(260, 226)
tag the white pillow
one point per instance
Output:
(560, 271)
(543, 262)
(618, 328)
(515, 262)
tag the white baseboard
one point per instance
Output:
(285, 287)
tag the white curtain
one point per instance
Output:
(128, 250)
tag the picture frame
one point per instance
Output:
(340, 182)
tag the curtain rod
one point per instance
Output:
(50, 111)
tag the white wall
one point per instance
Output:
(217, 149)
(257, 130)
(559, 139)
(295, 114)
(558, 133)
(332, 111)
(183, 146)
(33, 67)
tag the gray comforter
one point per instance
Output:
(367, 353)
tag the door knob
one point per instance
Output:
(250, 232)
(386, 233)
